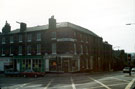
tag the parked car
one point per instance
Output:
(126, 70)
(31, 73)
(11, 72)
(133, 69)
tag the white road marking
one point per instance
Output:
(100, 83)
(119, 79)
(26, 84)
(48, 84)
(73, 84)
(130, 84)
(117, 84)
(23, 85)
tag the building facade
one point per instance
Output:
(56, 47)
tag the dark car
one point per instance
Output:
(11, 72)
(31, 73)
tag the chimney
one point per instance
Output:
(23, 27)
(6, 28)
(52, 23)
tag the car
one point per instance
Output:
(11, 73)
(126, 70)
(31, 73)
(133, 69)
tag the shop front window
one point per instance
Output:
(53, 65)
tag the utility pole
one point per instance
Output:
(129, 63)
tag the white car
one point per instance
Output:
(126, 70)
(133, 69)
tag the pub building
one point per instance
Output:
(55, 47)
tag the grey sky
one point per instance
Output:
(107, 18)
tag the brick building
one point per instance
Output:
(56, 47)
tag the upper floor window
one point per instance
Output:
(38, 36)
(20, 50)
(3, 54)
(29, 37)
(3, 40)
(86, 49)
(54, 48)
(81, 49)
(11, 51)
(20, 38)
(38, 49)
(29, 50)
(74, 34)
(11, 39)
(81, 38)
(53, 35)
(74, 48)
(87, 39)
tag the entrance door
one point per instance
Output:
(65, 65)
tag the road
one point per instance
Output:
(107, 80)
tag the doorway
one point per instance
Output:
(65, 65)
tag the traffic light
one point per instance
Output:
(129, 57)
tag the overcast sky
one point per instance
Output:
(107, 18)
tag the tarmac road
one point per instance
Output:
(107, 80)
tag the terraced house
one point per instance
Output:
(56, 47)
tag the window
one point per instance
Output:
(81, 49)
(38, 36)
(86, 49)
(11, 51)
(20, 38)
(11, 39)
(29, 38)
(74, 34)
(20, 50)
(38, 49)
(54, 48)
(91, 62)
(53, 35)
(81, 38)
(3, 54)
(28, 50)
(87, 39)
(74, 48)
(3, 40)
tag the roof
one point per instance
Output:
(59, 25)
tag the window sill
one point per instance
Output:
(11, 54)
(29, 41)
(3, 55)
(38, 39)
(38, 53)
(11, 42)
(29, 54)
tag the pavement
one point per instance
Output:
(104, 80)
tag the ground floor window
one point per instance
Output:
(34, 64)
(63, 64)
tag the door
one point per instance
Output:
(65, 65)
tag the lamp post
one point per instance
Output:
(129, 55)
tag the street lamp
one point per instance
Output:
(129, 55)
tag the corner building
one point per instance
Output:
(56, 47)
